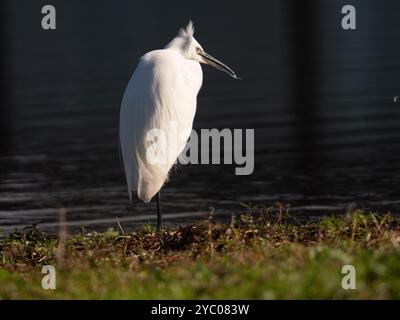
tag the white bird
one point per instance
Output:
(161, 95)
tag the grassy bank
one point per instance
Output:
(268, 257)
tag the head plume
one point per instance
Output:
(184, 38)
(188, 31)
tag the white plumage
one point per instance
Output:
(162, 91)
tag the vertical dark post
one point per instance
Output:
(305, 60)
(3, 81)
(159, 212)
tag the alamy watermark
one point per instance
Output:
(49, 18)
(236, 145)
(49, 280)
(349, 280)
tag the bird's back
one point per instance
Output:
(161, 94)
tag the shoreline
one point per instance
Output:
(270, 256)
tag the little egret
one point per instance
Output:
(161, 95)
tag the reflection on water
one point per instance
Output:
(320, 100)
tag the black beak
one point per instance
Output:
(208, 59)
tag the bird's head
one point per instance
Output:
(192, 50)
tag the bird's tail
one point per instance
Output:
(127, 175)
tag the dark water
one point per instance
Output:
(327, 130)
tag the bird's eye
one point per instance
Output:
(198, 50)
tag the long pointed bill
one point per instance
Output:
(218, 64)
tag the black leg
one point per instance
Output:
(159, 212)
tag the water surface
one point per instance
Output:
(320, 100)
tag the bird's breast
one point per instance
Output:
(193, 75)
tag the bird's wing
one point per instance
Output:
(159, 103)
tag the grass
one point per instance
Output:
(270, 256)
